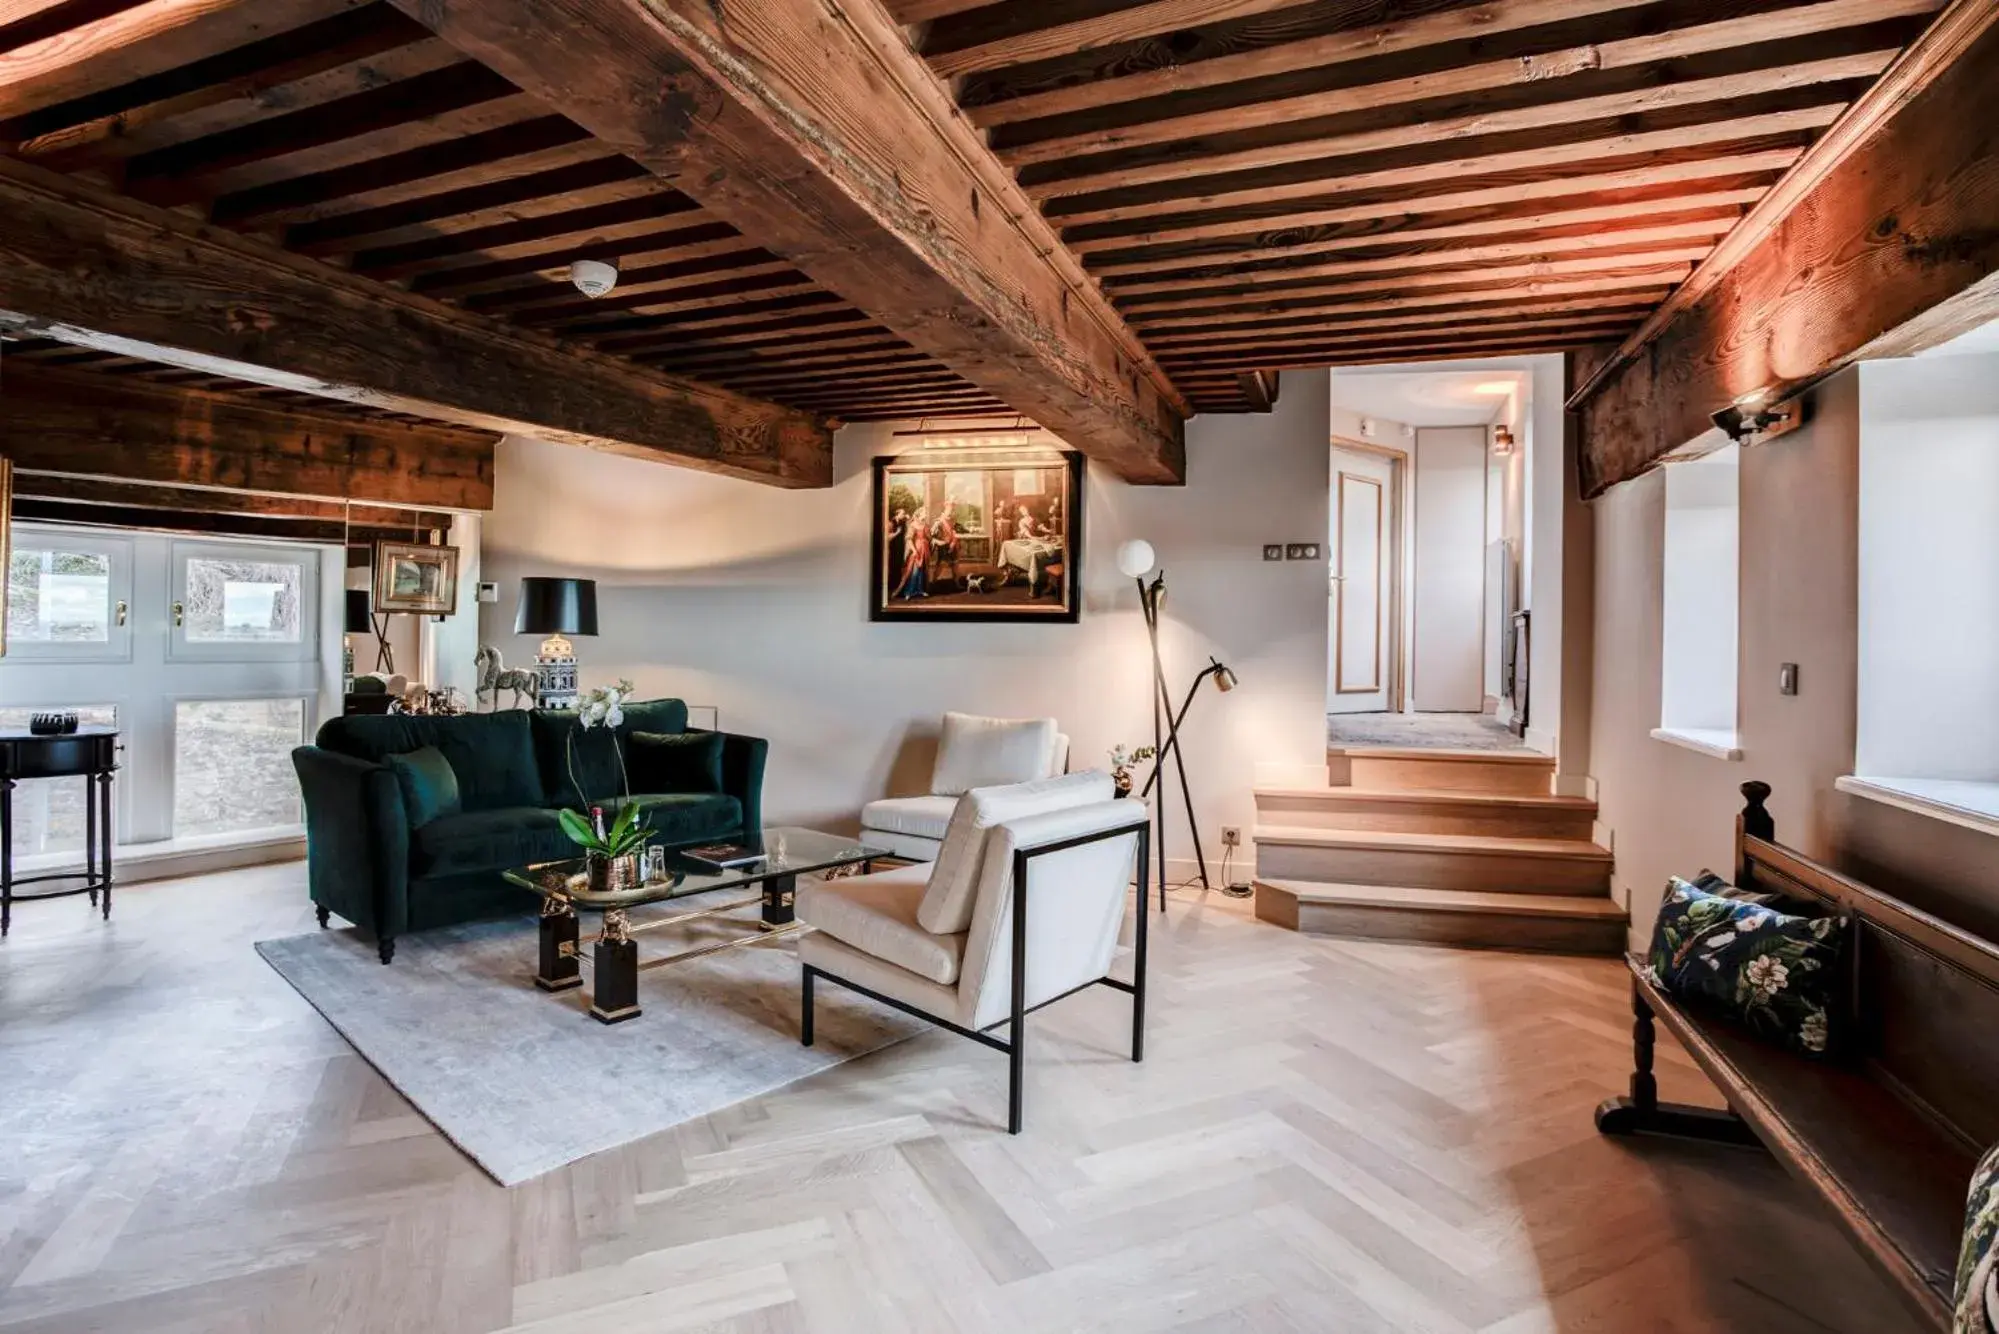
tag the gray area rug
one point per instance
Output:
(1439, 731)
(524, 1081)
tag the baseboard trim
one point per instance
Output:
(1540, 739)
(164, 861)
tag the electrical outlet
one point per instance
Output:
(1301, 551)
(1231, 836)
(1273, 551)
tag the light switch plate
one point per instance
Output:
(1273, 551)
(1301, 551)
(1787, 679)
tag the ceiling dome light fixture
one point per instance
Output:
(593, 277)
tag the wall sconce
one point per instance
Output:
(1502, 440)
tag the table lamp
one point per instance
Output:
(557, 608)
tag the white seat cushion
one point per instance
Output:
(925, 817)
(947, 904)
(987, 752)
(876, 914)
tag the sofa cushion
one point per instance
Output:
(954, 878)
(988, 752)
(430, 788)
(491, 754)
(488, 841)
(676, 761)
(674, 818)
(925, 817)
(876, 914)
(1774, 973)
(596, 759)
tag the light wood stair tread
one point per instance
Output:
(1450, 900)
(1439, 753)
(1472, 844)
(1443, 796)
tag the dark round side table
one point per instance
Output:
(90, 753)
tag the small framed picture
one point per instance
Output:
(410, 576)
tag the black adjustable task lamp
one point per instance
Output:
(557, 608)
(1135, 560)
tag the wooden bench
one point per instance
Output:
(1889, 1135)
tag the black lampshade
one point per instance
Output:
(556, 607)
(357, 612)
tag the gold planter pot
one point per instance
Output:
(608, 874)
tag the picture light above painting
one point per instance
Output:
(978, 538)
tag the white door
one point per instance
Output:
(1360, 659)
(206, 655)
(1448, 582)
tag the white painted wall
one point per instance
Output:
(1929, 573)
(754, 599)
(1448, 578)
(1702, 538)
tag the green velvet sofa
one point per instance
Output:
(390, 870)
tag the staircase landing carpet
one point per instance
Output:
(526, 1082)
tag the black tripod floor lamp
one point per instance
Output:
(1135, 560)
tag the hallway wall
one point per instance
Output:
(1673, 810)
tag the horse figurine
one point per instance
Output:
(495, 676)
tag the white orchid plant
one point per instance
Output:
(603, 707)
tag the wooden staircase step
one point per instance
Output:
(1561, 923)
(1525, 815)
(1407, 768)
(1482, 862)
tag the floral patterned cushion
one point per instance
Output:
(1774, 971)
(1978, 1258)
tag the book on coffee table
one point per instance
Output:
(722, 856)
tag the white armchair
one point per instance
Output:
(1022, 907)
(971, 752)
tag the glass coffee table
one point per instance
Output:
(564, 889)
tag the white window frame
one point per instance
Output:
(308, 728)
(1700, 634)
(119, 550)
(304, 649)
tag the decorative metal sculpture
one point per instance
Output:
(495, 676)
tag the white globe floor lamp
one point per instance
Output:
(1135, 560)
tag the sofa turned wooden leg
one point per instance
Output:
(323, 913)
(1641, 1113)
(386, 947)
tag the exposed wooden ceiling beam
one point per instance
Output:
(220, 523)
(204, 500)
(82, 424)
(1192, 158)
(1886, 217)
(820, 134)
(1362, 41)
(1631, 146)
(84, 266)
(1259, 387)
(1678, 184)
(951, 58)
(345, 231)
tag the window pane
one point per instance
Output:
(233, 764)
(56, 596)
(48, 812)
(241, 601)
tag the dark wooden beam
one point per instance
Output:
(203, 522)
(204, 500)
(84, 266)
(1260, 388)
(1889, 215)
(820, 134)
(119, 427)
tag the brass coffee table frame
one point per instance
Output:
(614, 954)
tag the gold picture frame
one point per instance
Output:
(416, 577)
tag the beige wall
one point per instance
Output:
(1672, 810)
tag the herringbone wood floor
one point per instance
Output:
(1324, 1137)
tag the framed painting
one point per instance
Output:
(977, 537)
(414, 577)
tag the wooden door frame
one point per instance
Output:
(1393, 536)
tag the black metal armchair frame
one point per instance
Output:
(1015, 1042)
